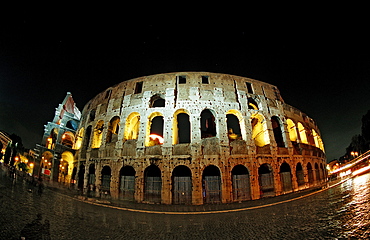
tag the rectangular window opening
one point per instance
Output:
(205, 79)
(249, 87)
(181, 79)
(139, 87)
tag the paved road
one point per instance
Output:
(339, 212)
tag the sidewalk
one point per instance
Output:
(61, 189)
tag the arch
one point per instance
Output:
(302, 133)
(65, 167)
(181, 127)
(292, 129)
(266, 180)
(127, 183)
(277, 130)
(106, 174)
(315, 138)
(317, 173)
(79, 138)
(299, 174)
(72, 124)
(68, 138)
(52, 139)
(310, 174)
(286, 177)
(252, 104)
(240, 183)
(155, 125)
(241, 122)
(211, 180)
(86, 142)
(233, 127)
(152, 184)
(46, 161)
(259, 130)
(113, 129)
(132, 126)
(81, 176)
(181, 185)
(98, 134)
(157, 101)
(207, 124)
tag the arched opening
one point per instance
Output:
(98, 134)
(155, 130)
(91, 181)
(157, 101)
(302, 133)
(299, 174)
(106, 174)
(233, 127)
(310, 174)
(292, 129)
(113, 129)
(277, 129)
(81, 176)
(286, 178)
(259, 130)
(252, 104)
(266, 180)
(315, 138)
(132, 126)
(207, 124)
(68, 138)
(317, 173)
(127, 183)
(152, 184)
(241, 183)
(181, 127)
(52, 139)
(211, 184)
(72, 124)
(79, 138)
(181, 185)
(73, 176)
(322, 172)
(86, 141)
(65, 167)
(46, 163)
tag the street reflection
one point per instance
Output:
(355, 213)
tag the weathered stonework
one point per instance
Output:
(225, 138)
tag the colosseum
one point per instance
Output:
(195, 138)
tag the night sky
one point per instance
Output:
(321, 68)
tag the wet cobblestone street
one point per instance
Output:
(338, 212)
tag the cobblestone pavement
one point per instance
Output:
(339, 212)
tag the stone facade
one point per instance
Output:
(195, 138)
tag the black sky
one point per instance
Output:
(322, 68)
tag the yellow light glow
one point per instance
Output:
(155, 137)
(31, 165)
(49, 163)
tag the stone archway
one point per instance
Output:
(181, 185)
(211, 184)
(241, 183)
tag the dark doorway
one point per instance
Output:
(286, 177)
(127, 183)
(300, 174)
(152, 184)
(211, 185)
(266, 180)
(233, 127)
(181, 185)
(81, 176)
(106, 175)
(241, 183)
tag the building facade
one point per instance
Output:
(195, 138)
(55, 154)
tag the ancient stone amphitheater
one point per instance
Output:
(195, 138)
